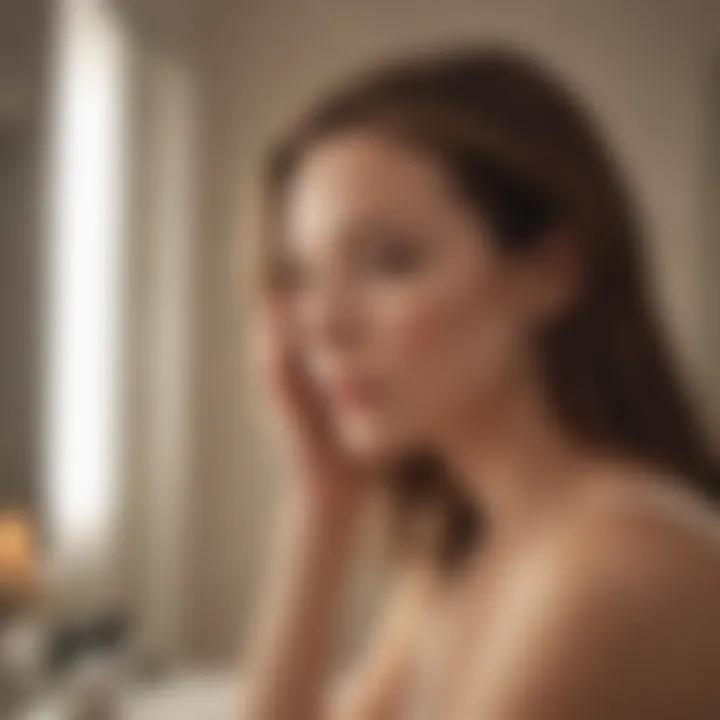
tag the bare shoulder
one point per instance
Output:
(654, 526)
(617, 613)
(638, 554)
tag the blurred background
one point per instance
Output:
(138, 481)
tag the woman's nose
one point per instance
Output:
(330, 316)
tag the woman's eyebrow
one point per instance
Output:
(357, 235)
(366, 230)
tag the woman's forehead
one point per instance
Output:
(362, 179)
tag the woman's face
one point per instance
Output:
(408, 318)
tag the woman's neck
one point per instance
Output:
(516, 459)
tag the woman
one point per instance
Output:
(458, 321)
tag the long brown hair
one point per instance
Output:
(524, 150)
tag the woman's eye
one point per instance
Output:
(288, 275)
(396, 259)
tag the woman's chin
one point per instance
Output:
(371, 442)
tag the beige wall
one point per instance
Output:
(22, 55)
(644, 64)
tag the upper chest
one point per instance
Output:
(470, 624)
(459, 634)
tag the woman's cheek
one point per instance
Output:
(428, 337)
(463, 336)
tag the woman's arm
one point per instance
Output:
(291, 644)
(289, 673)
(288, 664)
(381, 681)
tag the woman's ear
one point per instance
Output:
(553, 275)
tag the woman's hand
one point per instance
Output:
(289, 663)
(332, 480)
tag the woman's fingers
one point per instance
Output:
(291, 385)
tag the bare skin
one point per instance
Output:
(597, 594)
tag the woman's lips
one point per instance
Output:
(351, 393)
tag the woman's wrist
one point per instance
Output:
(331, 514)
(333, 492)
